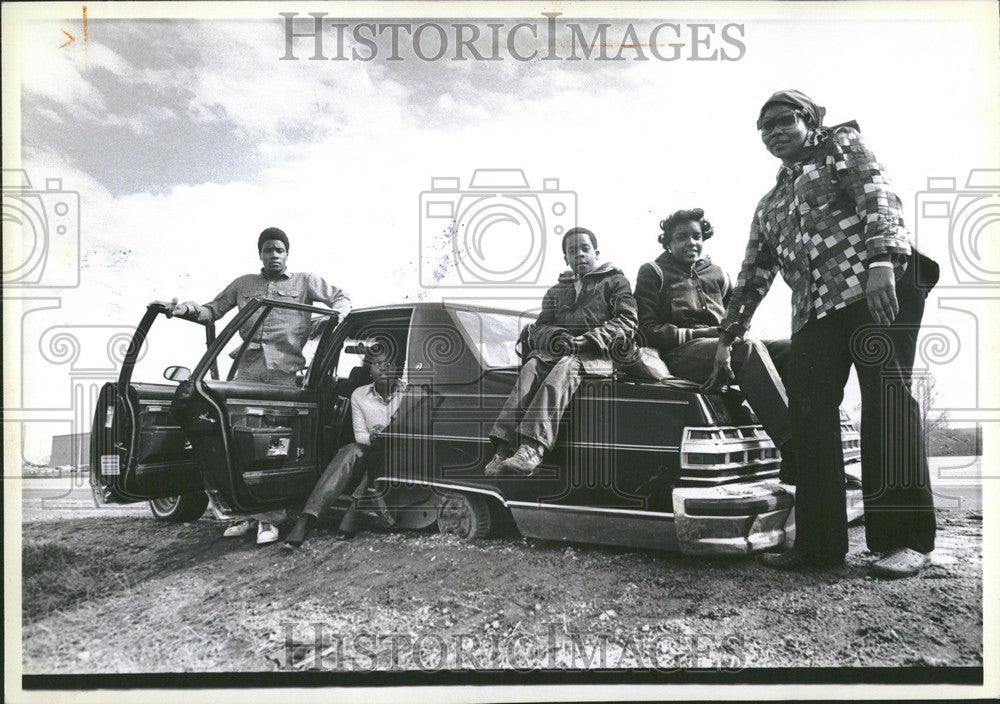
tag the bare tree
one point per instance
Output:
(927, 393)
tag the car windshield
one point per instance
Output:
(494, 334)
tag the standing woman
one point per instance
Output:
(834, 228)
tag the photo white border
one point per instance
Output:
(16, 13)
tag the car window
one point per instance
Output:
(494, 334)
(388, 334)
(291, 331)
(170, 342)
(317, 325)
(349, 358)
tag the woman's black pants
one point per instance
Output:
(899, 505)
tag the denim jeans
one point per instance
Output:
(346, 469)
(538, 400)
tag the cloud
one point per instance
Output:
(152, 104)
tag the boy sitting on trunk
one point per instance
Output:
(587, 323)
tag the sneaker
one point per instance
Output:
(266, 533)
(525, 460)
(237, 529)
(795, 560)
(496, 464)
(902, 562)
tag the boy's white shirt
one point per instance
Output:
(369, 409)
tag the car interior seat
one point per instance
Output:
(359, 376)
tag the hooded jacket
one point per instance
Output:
(604, 312)
(678, 299)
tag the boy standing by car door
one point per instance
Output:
(274, 354)
(588, 321)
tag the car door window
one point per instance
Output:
(179, 344)
(290, 335)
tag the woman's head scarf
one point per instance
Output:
(799, 101)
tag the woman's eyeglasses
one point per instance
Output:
(785, 120)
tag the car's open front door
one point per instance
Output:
(138, 451)
(257, 443)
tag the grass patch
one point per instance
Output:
(955, 442)
(55, 577)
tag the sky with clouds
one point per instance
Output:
(185, 138)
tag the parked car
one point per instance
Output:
(653, 465)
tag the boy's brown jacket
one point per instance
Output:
(604, 312)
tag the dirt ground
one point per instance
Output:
(119, 592)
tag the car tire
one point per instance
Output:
(465, 516)
(502, 522)
(179, 509)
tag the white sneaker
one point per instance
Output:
(237, 529)
(266, 533)
(901, 562)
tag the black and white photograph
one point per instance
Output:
(500, 351)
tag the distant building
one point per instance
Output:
(73, 449)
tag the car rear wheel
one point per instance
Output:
(179, 509)
(466, 516)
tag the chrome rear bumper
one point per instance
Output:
(740, 519)
(734, 519)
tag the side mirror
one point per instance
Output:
(177, 373)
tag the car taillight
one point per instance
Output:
(742, 453)
(725, 454)
(704, 458)
(698, 434)
(850, 438)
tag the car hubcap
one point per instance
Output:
(455, 517)
(165, 505)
